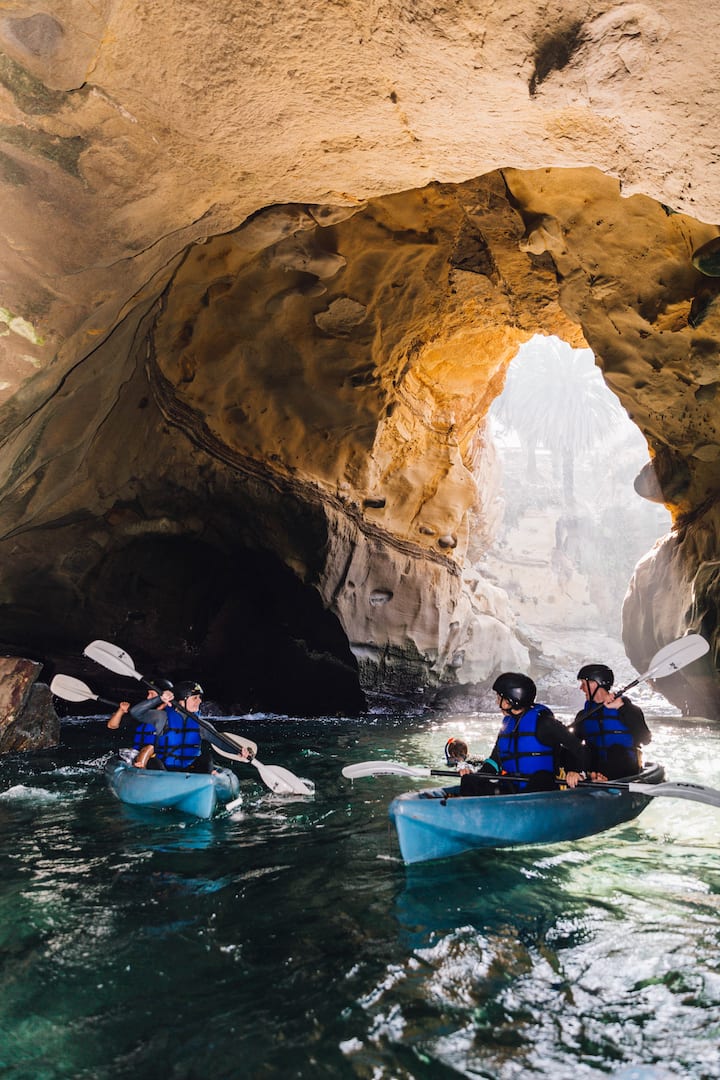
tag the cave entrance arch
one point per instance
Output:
(240, 619)
(573, 526)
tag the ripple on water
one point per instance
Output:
(150, 945)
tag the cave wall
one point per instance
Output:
(257, 299)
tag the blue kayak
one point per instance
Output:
(192, 793)
(432, 826)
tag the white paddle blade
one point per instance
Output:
(248, 744)
(678, 654)
(111, 657)
(281, 781)
(384, 768)
(69, 689)
(680, 789)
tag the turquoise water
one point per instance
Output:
(286, 939)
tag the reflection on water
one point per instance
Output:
(287, 939)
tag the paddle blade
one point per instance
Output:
(678, 654)
(69, 689)
(384, 768)
(282, 781)
(111, 657)
(248, 744)
(680, 789)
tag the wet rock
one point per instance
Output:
(28, 720)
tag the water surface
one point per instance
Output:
(287, 938)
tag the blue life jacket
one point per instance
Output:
(180, 743)
(605, 729)
(519, 747)
(144, 734)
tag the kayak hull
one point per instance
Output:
(198, 794)
(436, 827)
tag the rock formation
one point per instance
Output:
(28, 720)
(261, 280)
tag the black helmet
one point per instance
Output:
(186, 689)
(518, 689)
(599, 673)
(161, 684)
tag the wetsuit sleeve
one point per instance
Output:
(577, 725)
(634, 720)
(554, 733)
(146, 713)
(492, 763)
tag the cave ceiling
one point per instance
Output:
(261, 280)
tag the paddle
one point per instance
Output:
(70, 689)
(678, 789)
(379, 768)
(280, 781)
(277, 772)
(671, 658)
(673, 790)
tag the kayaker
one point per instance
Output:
(531, 742)
(173, 739)
(612, 728)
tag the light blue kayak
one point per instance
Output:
(430, 826)
(192, 793)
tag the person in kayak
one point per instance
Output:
(168, 737)
(612, 729)
(531, 742)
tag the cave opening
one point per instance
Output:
(239, 620)
(573, 525)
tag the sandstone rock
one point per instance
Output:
(28, 719)
(247, 296)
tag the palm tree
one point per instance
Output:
(555, 397)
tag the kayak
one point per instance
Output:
(431, 825)
(192, 793)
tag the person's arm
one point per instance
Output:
(140, 708)
(116, 718)
(152, 711)
(576, 727)
(634, 720)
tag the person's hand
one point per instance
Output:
(598, 778)
(613, 702)
(167, 696)
(464, 770)
(572, 779)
